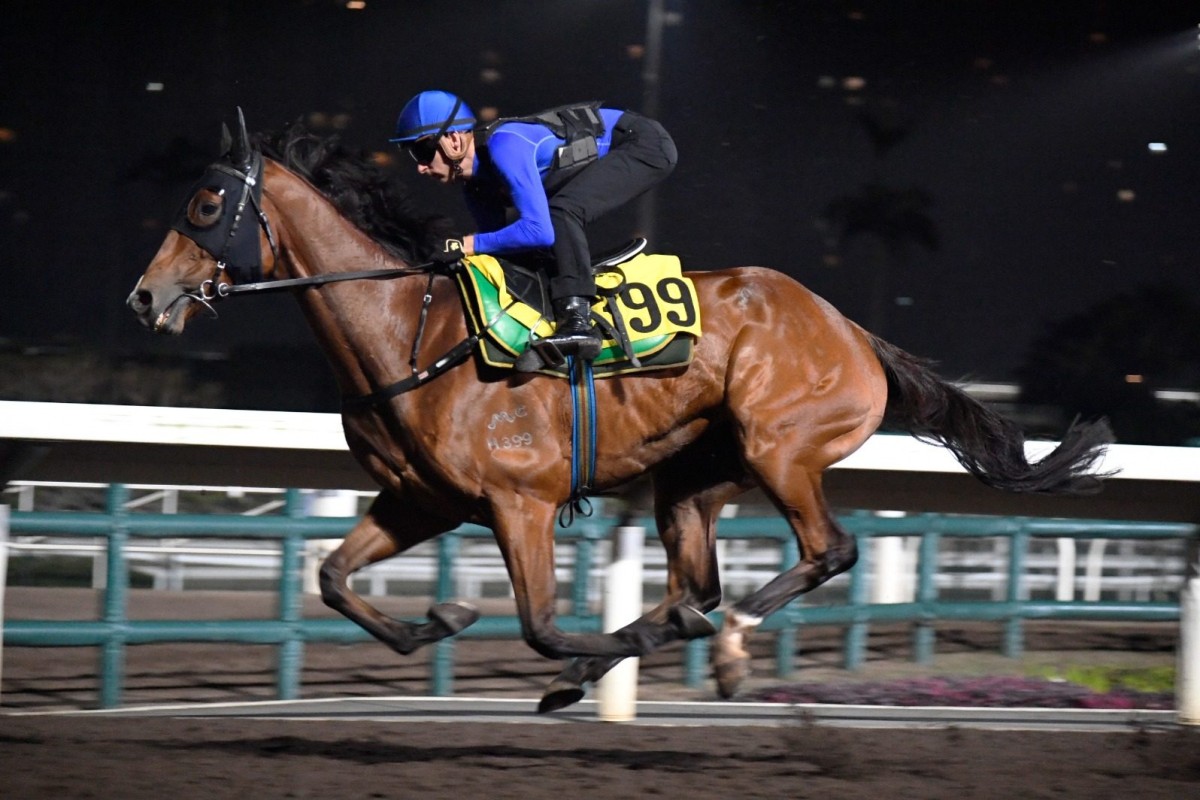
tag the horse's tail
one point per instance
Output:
(989, 446)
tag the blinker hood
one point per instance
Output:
(232, 239)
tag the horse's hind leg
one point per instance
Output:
(389, 528)
(827, 397)
(826, 550)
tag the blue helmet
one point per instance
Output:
(432, 113)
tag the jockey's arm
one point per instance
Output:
(514, 157)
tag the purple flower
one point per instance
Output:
(988, 692)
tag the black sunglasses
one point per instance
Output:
(423, 150)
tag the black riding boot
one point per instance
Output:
(574, 334)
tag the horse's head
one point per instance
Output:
(220, 234)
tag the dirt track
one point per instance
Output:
(182, 759)
(188, 759)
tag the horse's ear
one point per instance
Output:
(226, 139)
(239, 153)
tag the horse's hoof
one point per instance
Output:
(454, 616)
(730, 674)
(691, 622)
(560, 694)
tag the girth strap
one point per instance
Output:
(583, 440)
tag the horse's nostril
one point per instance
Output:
(140, 300)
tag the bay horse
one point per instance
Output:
(780, 388)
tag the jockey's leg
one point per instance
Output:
(572, 286)
(641, 155)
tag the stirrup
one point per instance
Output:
(540, 354)
(545, 353)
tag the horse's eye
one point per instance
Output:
(205, 207)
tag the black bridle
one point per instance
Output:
(237, 250)
(235, 246)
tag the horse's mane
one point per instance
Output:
(365, 193)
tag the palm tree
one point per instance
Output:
(891, 219)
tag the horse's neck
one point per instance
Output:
(362, 325)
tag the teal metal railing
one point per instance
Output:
(290, 630)
(857, 614)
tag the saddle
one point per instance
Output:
(647, 312)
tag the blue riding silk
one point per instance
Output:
(510, 177)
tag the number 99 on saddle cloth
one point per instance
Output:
(656, 306)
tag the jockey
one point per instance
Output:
(536, 182)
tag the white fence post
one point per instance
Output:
(893, 580)
(1064, 590)
(1093, 573)
(3, 580)
(325, 503)
(616, 692)
(1187, 676)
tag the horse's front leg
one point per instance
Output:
(686, 515)
(669, 621)
(524, 529)
(388, 528)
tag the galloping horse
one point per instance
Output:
(780, 388)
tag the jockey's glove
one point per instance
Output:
(451, 252)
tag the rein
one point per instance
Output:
(211, 290)
(236, 254)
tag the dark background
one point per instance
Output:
(971, 179)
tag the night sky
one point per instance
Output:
(1028, 126)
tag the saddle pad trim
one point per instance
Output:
(675, 353)
(487, 299)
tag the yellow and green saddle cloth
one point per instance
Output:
(655, 302)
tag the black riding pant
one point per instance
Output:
(642, 153)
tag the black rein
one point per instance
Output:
(210, 290)
(246, 165)
(217, 291)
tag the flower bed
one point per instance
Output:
(987, 692)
